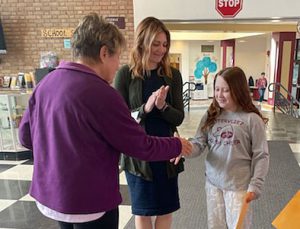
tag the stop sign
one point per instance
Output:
(229, 8)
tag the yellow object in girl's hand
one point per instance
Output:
(243, 213)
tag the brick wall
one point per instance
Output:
(23, 21)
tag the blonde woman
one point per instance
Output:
(152, 90)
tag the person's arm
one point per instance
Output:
(174, 113)
(24, 131)
(260, 155)
(112, 121)
(200, 139)
(121, 84)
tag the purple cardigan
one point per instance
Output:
(77, 125)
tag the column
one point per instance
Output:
(284, 57)
(227, 53)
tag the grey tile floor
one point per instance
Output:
(17, 208)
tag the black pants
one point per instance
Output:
(110, 220)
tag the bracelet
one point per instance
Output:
(164, 107)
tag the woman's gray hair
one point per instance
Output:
(92, 33)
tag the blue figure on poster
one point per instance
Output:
(204, 67)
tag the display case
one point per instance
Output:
(12, 107)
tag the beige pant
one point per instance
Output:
(223, 208)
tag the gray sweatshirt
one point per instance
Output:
(238, 156)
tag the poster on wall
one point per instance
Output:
(204, 69)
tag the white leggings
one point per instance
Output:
(223, 208)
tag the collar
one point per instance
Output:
(78, 67)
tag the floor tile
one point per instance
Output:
(28, 162)
(122, 178)
(13, 189)
(24, 214)
(5, 167)
(18, 172)
(5, 203)
(125, 215)
(125, 195)
(27, 198)
(7, 162)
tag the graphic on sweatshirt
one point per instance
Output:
(223, 136)
(224, 132)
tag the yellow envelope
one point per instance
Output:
(289, 216)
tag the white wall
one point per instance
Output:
(205, 9)
(182, 48)
(191, 52)
(251, 55)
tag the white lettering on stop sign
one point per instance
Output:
(228, 3)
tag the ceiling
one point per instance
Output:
(209, 36)
(228, 29)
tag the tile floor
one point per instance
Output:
(18, 210)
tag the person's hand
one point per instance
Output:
(186, 147)
(250, 196)
(161, 93)
(150, 103)
(176, 159)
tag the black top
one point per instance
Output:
(155, 125)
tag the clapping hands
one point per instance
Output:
(158, 99)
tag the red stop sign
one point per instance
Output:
(229, 8)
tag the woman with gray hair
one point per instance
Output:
(76, 124)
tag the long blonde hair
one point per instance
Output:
(239, 90)
(144, 37)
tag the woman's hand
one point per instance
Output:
(150, 103)
(161, 93)
(186, 150)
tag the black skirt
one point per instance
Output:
(157, 197)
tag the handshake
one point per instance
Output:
(186, 150)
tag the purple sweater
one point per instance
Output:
(77, 125)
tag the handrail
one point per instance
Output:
(286, 104)
(186, 94)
